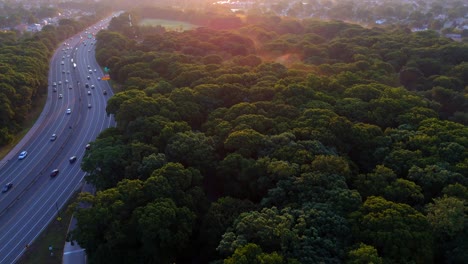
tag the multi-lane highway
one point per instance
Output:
(36, 198)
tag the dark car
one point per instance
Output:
(87, 85)
(53, 137)
(88, 146)
(72, 159)
(105, 92)
(7, 187)
(54, 173)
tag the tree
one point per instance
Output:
(238, 176)
(374, 183)
(316, 189)
(192, 149)
(404, 191)
(253, 254)
(447, 216)
(219, 217)
(399, 233)
(246, 142)
(310, 234)
(432, 179)
(105, 162)
(364, 254)
(164, 230)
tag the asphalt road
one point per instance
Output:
(36, 198)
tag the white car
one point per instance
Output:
(22, 155)
(89, 92)
(68, 111)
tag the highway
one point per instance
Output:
(36, 198)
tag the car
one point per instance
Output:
(53, 137)
(54, 173)
(87, 85)
(99, 78)
(88, 146)
(70, 87)
(105, 92)
(54, 84)
(95, 70)
(60, 96)
(89, 67)
(68, 111)
(63, 62)
(68, 72)
(89, 92)
(22, 155)
(66, 81)
(55, 90)
(88, 77)
(7, 187)
(60, 82)
(72, 159)
(89, 105)
(63, 71)
(92, 86)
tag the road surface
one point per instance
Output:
(36, 198)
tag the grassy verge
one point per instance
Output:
(53, 235)
(30, 120)
(171, 25)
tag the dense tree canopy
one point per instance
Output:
(280, 141)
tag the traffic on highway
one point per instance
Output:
(43, 171)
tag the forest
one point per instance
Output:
(24, 66)
(279, 141)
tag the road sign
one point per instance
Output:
(106, 69)
(105, 77)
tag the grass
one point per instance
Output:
(171, 25)
(54, 235)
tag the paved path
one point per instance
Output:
(72, 252)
